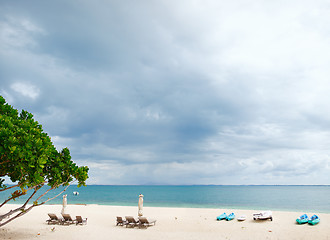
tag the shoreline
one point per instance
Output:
(186, 207)
(192, 207)
(172, 223)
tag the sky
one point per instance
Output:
(176, 92)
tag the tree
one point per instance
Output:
(30, 160)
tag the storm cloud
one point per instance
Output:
(176, 92)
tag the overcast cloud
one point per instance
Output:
(176, 92)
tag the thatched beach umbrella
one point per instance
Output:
(65, 202)
(140, 213)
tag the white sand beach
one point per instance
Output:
(172, 223)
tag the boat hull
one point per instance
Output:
(230, 217)
(314, 222)
(241, 218)
(301, 221)
(222, 217)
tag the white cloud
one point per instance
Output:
(17, 33)
(25, 89)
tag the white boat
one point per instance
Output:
(263, 215)
(76, 193)
(241, 218)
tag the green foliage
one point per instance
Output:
(29, 158)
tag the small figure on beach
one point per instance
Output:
(140, 212)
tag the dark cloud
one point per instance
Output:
(180, 93)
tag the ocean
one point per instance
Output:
(314, 199)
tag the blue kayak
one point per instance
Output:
(314, 220)
(230, 217)
(302, 219)
(222, 216)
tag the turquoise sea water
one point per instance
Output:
(285, 198)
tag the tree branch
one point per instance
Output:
(55, 196)
(21, 194)
(45, 193)
(11, 212)
(28, 200)
(17, 185)
(2, 156)
(9, 199)
(23, 211)
(22, 208)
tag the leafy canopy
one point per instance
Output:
(30, 160)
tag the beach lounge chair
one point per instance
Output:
(144, 222)
(121, 221)
(67, 219)
(53, 219)
(80, 220)
(131, 221)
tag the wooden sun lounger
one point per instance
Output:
(80, 220)
(53, 219)
(144, 222)
(131, 221)
(121, 221)
(67, 219)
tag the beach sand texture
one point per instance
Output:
(172, 223)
